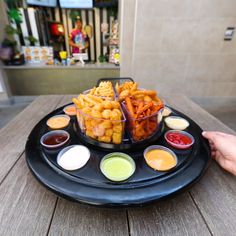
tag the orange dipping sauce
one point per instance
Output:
(58, 122)
(70, 110)
(160, 160)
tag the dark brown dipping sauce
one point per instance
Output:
(55, 139)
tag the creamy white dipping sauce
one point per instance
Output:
(166, 111)
(175, 122)
(74, 158)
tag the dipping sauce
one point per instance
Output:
(54, 139)
(58, 122)
(73, 157)
(179, 139)
(117, 166)
(160, 158)
(175, 122)
(166, 111)
(70, 110)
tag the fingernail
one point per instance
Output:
(203, 133)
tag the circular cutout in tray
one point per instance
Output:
(88, 184)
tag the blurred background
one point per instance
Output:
(186, 47)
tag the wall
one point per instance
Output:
(1, 82)
(179, 47)
(3, 22)
(67, 80)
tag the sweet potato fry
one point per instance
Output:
(145, 107)
(140, 107)
(129, 106)
(144, 92)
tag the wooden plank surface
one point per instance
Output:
(26, 206)
(175, 216)
(13, 136)
(76, 219)
(215, 194)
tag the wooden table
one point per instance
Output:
(27, 208)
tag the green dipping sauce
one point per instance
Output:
(117, 166)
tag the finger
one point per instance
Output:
(210, 142)
(213, 154)
(206, 135)
(213, 148)
(209, 135)
(221, 134)
(213, 137)
(212, 145)
(218, 157)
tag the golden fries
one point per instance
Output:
(100, 119)
(130, 89)
(100, 116)
(104, 89)
(125, 89)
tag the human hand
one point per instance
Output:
(223, 149)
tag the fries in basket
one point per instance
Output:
(104, 89)
(100, 119)
(125, 89)
(142, 108)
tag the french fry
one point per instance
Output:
(104, 89)
(143, 122)
(94, 98)
(144, 92)
(98, 118)
(144, 108)
(140, 107)
(125, 89)
(129, 106)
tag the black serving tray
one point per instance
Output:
(88, 185)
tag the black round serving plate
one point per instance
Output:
(88, 185)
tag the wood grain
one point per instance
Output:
(175, 216)
(76, 219)
(13, 136)
(215, 194)
(26, 206)
(33, 203)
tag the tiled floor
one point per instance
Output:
(222, 108)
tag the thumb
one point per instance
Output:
(210, 135)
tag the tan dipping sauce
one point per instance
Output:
(70, 110)
(58, 122)
(166, 111)
(160, 160)
(177, 123)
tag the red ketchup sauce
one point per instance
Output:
(178, 138)
(55, 139)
